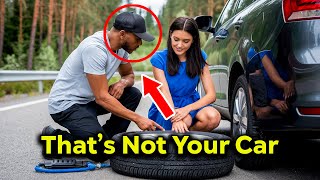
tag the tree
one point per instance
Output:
(210, 7)
(41, 21)
(46, 59)
(33, 33)
(74, 21)
(50, 16)
(22, 5)
(2, 16)
(82, 31)
(57, 15)
(129, 8)
(91, 29)
(68, 26)
(30, 22)
(149, 20)
(191, 11)
(62, 29)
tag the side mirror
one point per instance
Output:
(204, 23)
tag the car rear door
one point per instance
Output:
(229, 29)
(268, 20)
(235, 28)
(213, 49)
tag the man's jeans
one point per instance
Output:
(82, 122)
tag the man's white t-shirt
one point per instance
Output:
(72, 86)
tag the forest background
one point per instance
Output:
(40, 34)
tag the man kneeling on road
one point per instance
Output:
(81, 91)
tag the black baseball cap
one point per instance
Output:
(132, 22)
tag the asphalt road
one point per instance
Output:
(21, 124)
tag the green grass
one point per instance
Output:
(30, 87)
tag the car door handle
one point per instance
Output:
(222, 34)
(220, 37)
(238, 24)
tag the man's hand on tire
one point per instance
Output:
(146, 124)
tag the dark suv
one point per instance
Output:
(247, 30)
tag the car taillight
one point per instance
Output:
(309, 110)
(296, 10)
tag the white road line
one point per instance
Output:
(23, 104)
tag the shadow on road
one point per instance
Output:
(299, 153)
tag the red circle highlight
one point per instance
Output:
(106, 26)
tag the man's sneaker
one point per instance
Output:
(48, 131)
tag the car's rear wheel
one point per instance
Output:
(243, 123)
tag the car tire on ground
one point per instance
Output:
(172, 165)
(243, 123)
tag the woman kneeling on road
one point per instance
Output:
(179, 68)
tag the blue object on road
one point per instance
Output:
(66, 166)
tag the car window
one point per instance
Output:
(243, 4)
(227, 12)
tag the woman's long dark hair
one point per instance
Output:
(194, 60)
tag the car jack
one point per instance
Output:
(68, 165)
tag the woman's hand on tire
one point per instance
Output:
(180, 127)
